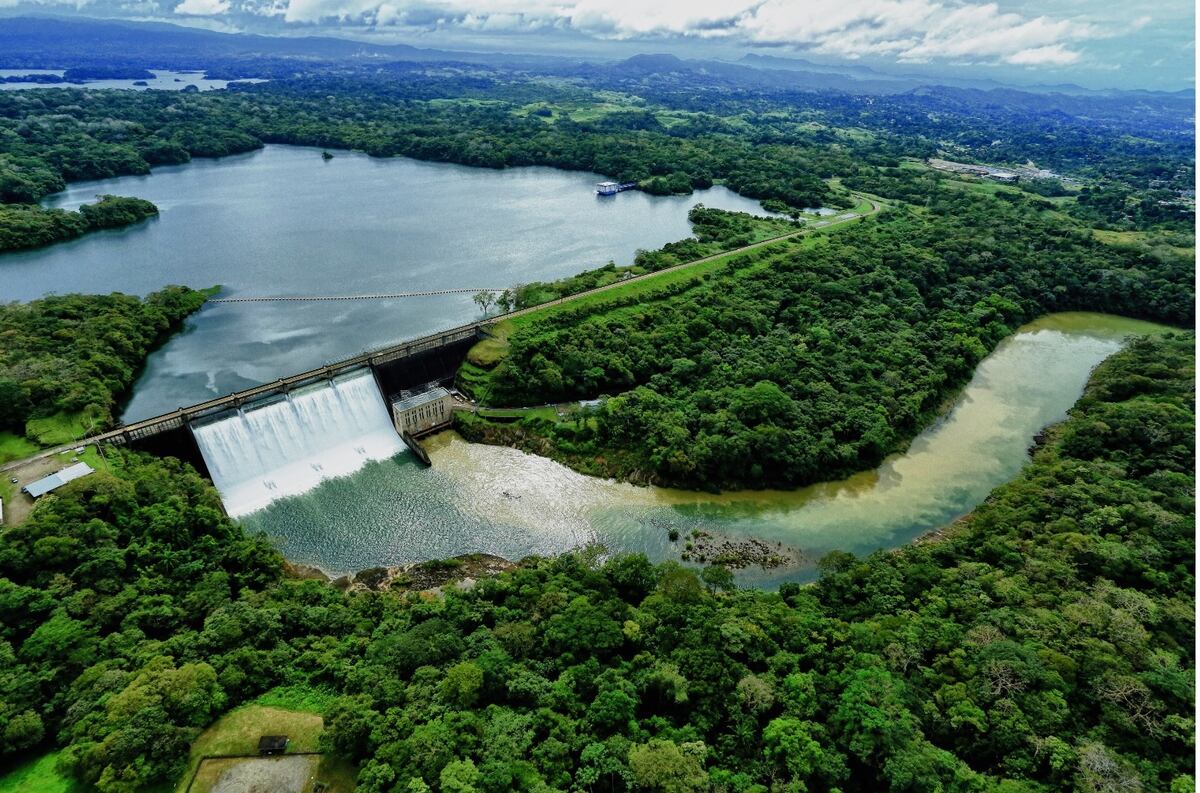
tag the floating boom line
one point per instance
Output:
(379, 296)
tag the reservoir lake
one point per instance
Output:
(281, 221)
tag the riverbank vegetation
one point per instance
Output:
(814, 358)
(67, 361)
(1044, 643)
(32, 226)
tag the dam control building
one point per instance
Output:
(416, 413)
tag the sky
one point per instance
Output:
(1096, 43)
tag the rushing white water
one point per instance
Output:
(289, 446)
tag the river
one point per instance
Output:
(282, 221)
(491, 499)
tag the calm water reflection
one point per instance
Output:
(502, 501)
(163, 80)
(283, 222)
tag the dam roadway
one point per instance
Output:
(177, 419)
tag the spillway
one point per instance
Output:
(289, 446)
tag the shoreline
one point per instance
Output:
(424, 576)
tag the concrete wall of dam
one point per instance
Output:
(403, 367)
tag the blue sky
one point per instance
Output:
(1097, 43)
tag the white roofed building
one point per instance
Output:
(47, 483)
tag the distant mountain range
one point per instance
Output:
(48, 42)
(867, 74)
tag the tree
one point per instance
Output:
(462, 684)
(799, 747)
(664, 766)
(459, 776)
(484, 300)
(718, 578)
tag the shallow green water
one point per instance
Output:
(506, 502)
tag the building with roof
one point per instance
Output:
(419, 412)
(44, 485)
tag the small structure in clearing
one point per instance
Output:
(56, 480)
(269, 745)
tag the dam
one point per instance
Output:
(289, 444)
(283, 438)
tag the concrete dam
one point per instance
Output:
(285, 437)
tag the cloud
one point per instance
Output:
(915, 31)
(202, 7)
(1050, 55)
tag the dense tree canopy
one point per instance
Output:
(31, 226)
(1045, 643)
(73, 353)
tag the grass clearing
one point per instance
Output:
(38, 775)
(15, 447)
(487, 353)
(1151, 239)
(298, 698)
(57, 429)
(237, 733)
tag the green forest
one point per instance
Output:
(814, 358)
(1043, 643)
(32, 226)
(78, 355)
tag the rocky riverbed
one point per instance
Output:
(707, 547)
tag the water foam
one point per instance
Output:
(289, 446)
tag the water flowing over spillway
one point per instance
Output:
(289, 446)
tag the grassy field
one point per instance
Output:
(37, 776)
(1152, 239)
(15, 447)
(294, 712)
(57, 429)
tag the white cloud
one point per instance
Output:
(919, 31)
(1050, 55)
(202, 7)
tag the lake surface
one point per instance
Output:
(281, 221)
(164, 80)
(497, 500)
